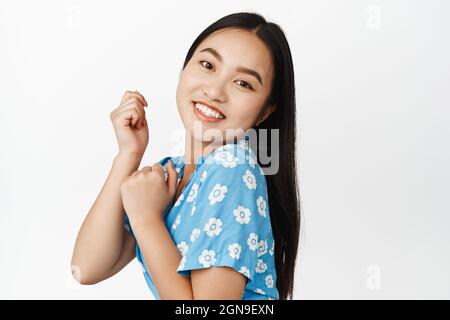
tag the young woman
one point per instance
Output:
(208, 224)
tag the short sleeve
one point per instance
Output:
(232, 211)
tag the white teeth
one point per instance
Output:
(208, 111)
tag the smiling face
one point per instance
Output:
(231, 71)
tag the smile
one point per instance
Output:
(206, 113)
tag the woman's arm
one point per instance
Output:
(103, 246)
(163, 257)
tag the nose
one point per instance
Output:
(215, 90)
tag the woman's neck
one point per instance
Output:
(195, 149)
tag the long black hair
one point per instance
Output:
(282, 188)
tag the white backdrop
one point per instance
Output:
(372, 81)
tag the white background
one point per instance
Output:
(372, 80)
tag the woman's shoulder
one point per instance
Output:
(236, 166)
(234, 157)
(235, 189)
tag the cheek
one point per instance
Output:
(245, 106)
(185, 89)
(190, 77)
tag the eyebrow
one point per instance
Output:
(239, 69)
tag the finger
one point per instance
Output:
(146, 169)
(138, 108)
(157, 167)
(134, 103)
(142, 123)
(132, 100)
(136, 96)
(172, 178)
(129, 117)
(141, 97)
(133, 94)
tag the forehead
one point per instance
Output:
(240, 48)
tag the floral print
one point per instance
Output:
(183, 247)
(217, 194)
(207, 258)
(252, 241)
(195, 233)
(234, 250)
(242, 214)
(249, 180)
(192, 193)
(261, 204)
(213, 227)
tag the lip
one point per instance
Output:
(202, 116)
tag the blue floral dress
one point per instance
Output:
(221, 218)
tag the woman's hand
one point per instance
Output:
(130, 124)
(146, 194)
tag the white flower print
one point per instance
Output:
(252, 241)
(234, 250)
(176, 223)
(242, 214)
(272, 249)
(177, 170)
(226, 158)
(249, 180)
(127, 227)
(183, 247)
(213, 227)
(192, 193)
(269, 281)
(261, 266)
(182, 262)
(245, 271)
(217, 194)
(207, 258)
(195, 233)
(204, 175)
(258, 290)
(180, 198)
(262, 248)
(193, 209)
(261, 204)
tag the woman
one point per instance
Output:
(224, 229)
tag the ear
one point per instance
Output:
(266, 112)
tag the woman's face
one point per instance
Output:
(231, 71)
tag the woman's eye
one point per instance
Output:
(207, 64)
(246, 85)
